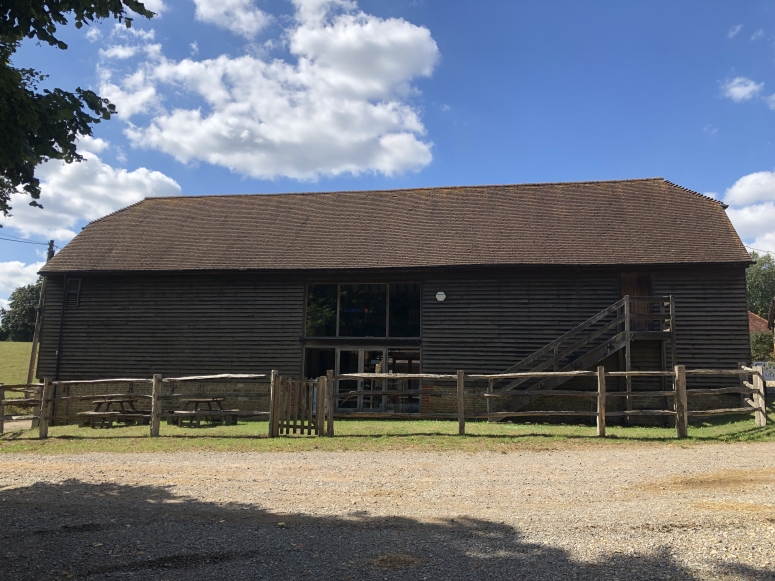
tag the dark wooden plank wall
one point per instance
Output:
(186, 324)
(486, 324)
(181, 324)
(711, 315)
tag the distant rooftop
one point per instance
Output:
(624, 222)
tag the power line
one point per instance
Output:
(759, 250)
(23, 241)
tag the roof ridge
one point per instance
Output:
(416, 189)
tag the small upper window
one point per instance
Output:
(73, 292)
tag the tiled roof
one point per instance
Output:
(636, 222)
(756, 323)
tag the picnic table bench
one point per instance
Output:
(100, 417)
(195, 415)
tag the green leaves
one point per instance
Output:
(18, 322)
(760, 280)
(36, 127)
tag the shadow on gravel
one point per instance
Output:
(77, 530)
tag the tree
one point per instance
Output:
(762, 346)
(760, 282)
(38, 126)
(18, 322)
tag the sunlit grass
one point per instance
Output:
(373, 435)
(14, 363)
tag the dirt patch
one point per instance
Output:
(394, 561)
(721, 480)
(764, 510)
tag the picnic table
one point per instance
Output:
(191, 411)
(100, 417)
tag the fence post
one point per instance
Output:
(330, 398)
(490, 383)
(2, 409)
(601, 401)
(681, 403)
(320, 407)
(155, 405)
(759, 397)
(461, 406)
(272, 402)
(45, 409)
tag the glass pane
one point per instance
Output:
(372, 363)
(402, 361)
(321, 310)
(348, 363)
(317, 362)
(362, 310)
(405, 310)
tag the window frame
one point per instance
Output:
(338, 285)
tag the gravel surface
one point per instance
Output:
(619, 512)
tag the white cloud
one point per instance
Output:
(14, 274)
(194, 48)
(238, 16)
(771, 101)
(734, 30)
(343, 107)
(752, 209)
(759, 34)
(741, 89)
(751, 188)
(119, 51)
(71, 193)
(93, 34)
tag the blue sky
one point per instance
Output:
(253, 96)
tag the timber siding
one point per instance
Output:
(179, 324)
(134, 326)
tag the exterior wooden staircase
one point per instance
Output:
(611, 330)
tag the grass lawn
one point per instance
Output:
(373, 435)
(14, 363)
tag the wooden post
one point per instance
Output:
(681, 403)
(320, 406)
(330, 406)
(490, 383)
(39, 320)
(155, 405)
(741, 383)
(2, 410)
(461, 408)
(601, 401)
(272, 402)
(760, 414)
(45, 409)
(627, 354)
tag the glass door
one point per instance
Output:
(360, 360)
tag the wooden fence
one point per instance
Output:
(299, 406)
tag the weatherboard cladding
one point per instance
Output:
(649, 221)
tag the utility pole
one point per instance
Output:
(39, 320)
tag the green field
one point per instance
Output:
(376, 435)
(14, 362)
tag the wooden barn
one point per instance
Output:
(485, 279)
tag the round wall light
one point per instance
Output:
(441, 296)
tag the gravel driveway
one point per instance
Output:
(618, 512)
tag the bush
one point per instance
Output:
(762, 346)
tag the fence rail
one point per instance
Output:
(299, 406)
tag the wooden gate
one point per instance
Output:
(298, 406)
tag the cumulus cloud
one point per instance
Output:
(343, 106)
(759, 34)
(72, 193)
(119, 51)
(734, 30)
(238, 16)
(752, 209)
(741, 89)
(771, 102)
(754, 187)
(14, 274)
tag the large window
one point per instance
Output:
(363, 310)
